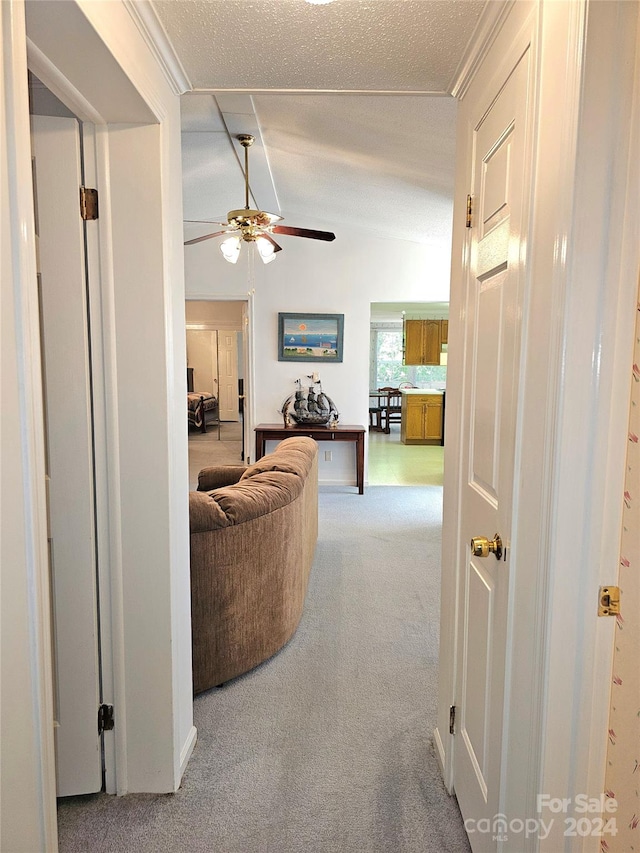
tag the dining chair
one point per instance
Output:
(375, 413)
(392, 411)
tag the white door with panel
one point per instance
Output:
(228, 374)
(70, 459)
(495, 285)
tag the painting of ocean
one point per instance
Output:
(304, 337)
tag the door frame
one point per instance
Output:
(584, 283)
(133, 103)
(33, 769)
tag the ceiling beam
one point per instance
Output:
(239, 116)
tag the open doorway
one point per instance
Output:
(217, 386)
(406, 445)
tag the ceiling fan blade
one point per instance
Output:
(205, 237)
(303, 232)
(276, 247)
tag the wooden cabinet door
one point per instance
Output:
(415, 419)
(444, 331)
(433, 418)
(432, 345)
(422, 341)
(413, 342)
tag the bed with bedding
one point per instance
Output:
(202, 409)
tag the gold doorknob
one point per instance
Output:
(482, 547)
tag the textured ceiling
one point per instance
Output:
(383, 164)
(365, 45)
(349, 102)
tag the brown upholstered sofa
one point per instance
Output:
(253, 536)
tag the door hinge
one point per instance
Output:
(469, 211)
(88, 203)
(609, 601)
(452, 720)
(106, 720)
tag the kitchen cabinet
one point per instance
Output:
(423, 341)
(422, 417)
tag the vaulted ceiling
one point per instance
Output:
(350, 102)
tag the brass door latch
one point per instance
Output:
(609, 601)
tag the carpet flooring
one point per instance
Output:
(326, 748)
(207, 449)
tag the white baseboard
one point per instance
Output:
(437, 740)
(186, 751)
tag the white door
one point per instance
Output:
(67, 385)
(228, 375)
(494, 300)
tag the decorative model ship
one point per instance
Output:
(309, 405)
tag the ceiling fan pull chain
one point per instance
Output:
(246, 177)
(250, 273)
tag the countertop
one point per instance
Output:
(424, 391)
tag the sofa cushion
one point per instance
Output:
(294, 455)
(219, 475)
(205, 514)
(230, 505)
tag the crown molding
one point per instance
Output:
(432, 93)
(488, 26)
(155, 36)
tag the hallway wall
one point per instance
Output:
(96, 54)
(623, 757)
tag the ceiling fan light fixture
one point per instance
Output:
(230, 249)
(255, 225)
(266, 249)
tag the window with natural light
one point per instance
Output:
(387, 368)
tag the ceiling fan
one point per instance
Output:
(254, 226)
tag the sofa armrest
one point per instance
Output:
(219, 475)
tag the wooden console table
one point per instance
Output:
(276, 432)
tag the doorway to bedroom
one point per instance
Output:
(217, 386)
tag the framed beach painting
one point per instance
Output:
(310, 337)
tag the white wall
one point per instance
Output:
(217, 314)
(97, 48)
(27, 782)
(342, 277)
(152, 515)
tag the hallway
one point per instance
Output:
(325, 748)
